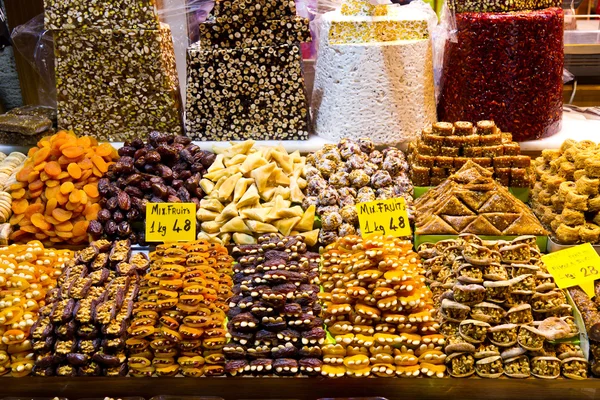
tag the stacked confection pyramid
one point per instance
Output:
(471, 201)
(115, 68)
(245, 73)
(443, 148)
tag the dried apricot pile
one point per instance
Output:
(27, 272)
(56, 194)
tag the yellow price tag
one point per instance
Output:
(170, 222)
(575, 266)
(384, 217)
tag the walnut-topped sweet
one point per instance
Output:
(504, 320)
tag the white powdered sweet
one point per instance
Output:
(383, 90)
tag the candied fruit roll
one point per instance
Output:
(274, 316)
(186, 315)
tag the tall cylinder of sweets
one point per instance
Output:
(507, 67)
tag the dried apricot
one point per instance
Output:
(86, 163)
(53, 221)
(63, 175)
(16, 218)
(91, 211)
(34, 209)
(20, 206)
(75, 197)
(62, 198)
(104, 150)
(87, 173)
(23, 174)
(73, 151)
(41, 155)
(91, 190)
(17, 194)
(52, 168)
(33, 176)
(67, 187)
(62, 215)
(36, 185)
(64, 227)
(64, 235)
(39, 222)
(29, 228)
(100, 163)
(80, 228)
(74, 170)
(57, 191)
(51, 205)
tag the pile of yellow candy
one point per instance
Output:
(378, 309)
(27, 272)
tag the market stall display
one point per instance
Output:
(179, 317)
(373, 73)
(351, 172)
(565, 197)
(471, 201)
(245, 78)
(252, 190)
(381, 315)
(274, 322)
(56, 192)
(506, 67)
(500, 310)
(443, 148)
(28, 272)
(81, 328)
(164, 168)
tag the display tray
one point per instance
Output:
(520, 193)
(555, 246)
(542, 241)
(303, 388)
(572, 128)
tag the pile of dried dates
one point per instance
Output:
(165, 169)
(81, 331)
(179, 323)
(274, 319)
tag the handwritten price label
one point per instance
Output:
(575, 266)
(170, 222)
(384, 217)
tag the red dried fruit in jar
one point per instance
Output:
(506, 67)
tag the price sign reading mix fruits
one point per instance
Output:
(170, 222)
(575, 266)
(384, 217)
